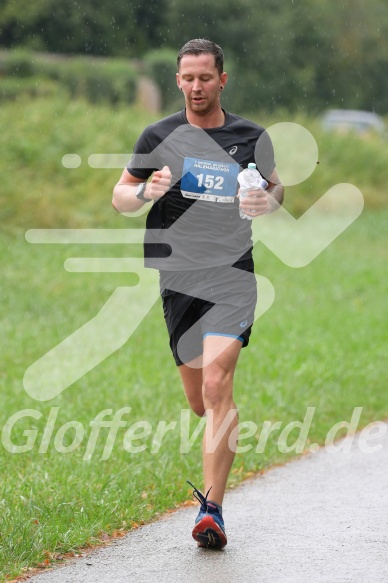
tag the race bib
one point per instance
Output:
(209, 180)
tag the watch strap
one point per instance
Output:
(140, 192)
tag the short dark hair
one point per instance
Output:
(203, 46)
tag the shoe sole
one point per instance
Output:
(208, 534)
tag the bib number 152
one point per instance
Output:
(209, 181)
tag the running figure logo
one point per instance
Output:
(296, 242)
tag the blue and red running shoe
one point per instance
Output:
(209, 529)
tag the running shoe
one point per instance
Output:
(209, 529)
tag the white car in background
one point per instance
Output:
(352, 120)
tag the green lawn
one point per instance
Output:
(322, 344)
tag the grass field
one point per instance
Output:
(322, 344)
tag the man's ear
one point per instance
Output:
(177, 81)
(224, 78)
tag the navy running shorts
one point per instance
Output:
(217, 301)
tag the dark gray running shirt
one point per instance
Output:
(197, 223)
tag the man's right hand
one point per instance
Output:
(159, 184)
(124, 199)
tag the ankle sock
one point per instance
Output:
(219, 508)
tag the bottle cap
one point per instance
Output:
(251, 166)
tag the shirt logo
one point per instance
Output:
(233, 150)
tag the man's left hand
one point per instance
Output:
(255, 203)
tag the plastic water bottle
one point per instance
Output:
(250, 178)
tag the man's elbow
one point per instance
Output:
(116, 199)
(281, 194)
(115, 202)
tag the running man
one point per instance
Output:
(202, 248)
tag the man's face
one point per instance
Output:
(200, 82)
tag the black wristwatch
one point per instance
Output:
(140, 192)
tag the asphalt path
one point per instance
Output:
(320, 518)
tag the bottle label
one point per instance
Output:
(209, 180)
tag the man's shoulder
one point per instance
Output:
(239, 123)
(166, 125)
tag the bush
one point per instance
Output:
(161, 67)
(97, 80)
(12, 88)
(17, 63)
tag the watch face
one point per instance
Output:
(140, 191)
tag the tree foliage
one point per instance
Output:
(301, 54)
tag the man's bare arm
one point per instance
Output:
(124, 193)
(276, 191)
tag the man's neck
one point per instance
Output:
(215, 119)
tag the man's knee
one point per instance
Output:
(216, 390)
(192, 383)
(197, 407)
